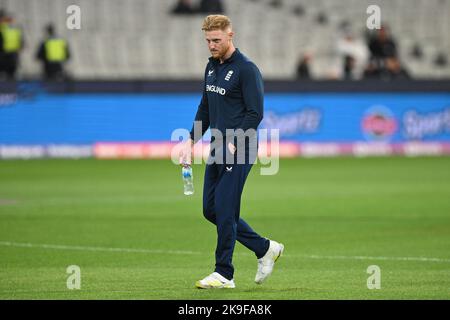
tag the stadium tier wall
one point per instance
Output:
(131, 39)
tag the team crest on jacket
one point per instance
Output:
(229, 74)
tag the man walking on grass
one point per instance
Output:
(232, 100)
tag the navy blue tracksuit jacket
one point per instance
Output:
(232, 96)
(232, 99)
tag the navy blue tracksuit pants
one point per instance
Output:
(222, 191)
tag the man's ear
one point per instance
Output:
(231, 34)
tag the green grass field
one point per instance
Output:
(134, 234)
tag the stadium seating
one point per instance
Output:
(141, 39)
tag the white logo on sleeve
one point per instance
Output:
(229, 74)
(229, 169)
(210, 72)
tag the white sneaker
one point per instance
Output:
(215, 281)
(266, 263)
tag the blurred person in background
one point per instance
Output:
(53, 52)
(303, 67)
(371, 71)
(2, 23)
(11, 45)
(349, 67)
(352, 55)
(382, 45)
(394, 70)
(211, 6)
(183, 7)
(384, 62)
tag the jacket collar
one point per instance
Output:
(233, 57)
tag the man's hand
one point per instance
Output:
(231, 148)
(186, 152)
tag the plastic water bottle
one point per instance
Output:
(188, 179)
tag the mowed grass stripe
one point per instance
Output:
(156, 251)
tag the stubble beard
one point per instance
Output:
(221, 53)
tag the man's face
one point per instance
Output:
(219, 42)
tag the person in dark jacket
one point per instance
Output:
(183, 7)
(232, 106)
(211, 6)
(383, 45)
(303, 71)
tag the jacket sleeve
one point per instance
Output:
(253, 94)
(202, 114)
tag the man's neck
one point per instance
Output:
(227, 55)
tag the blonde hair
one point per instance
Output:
(216, 22)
